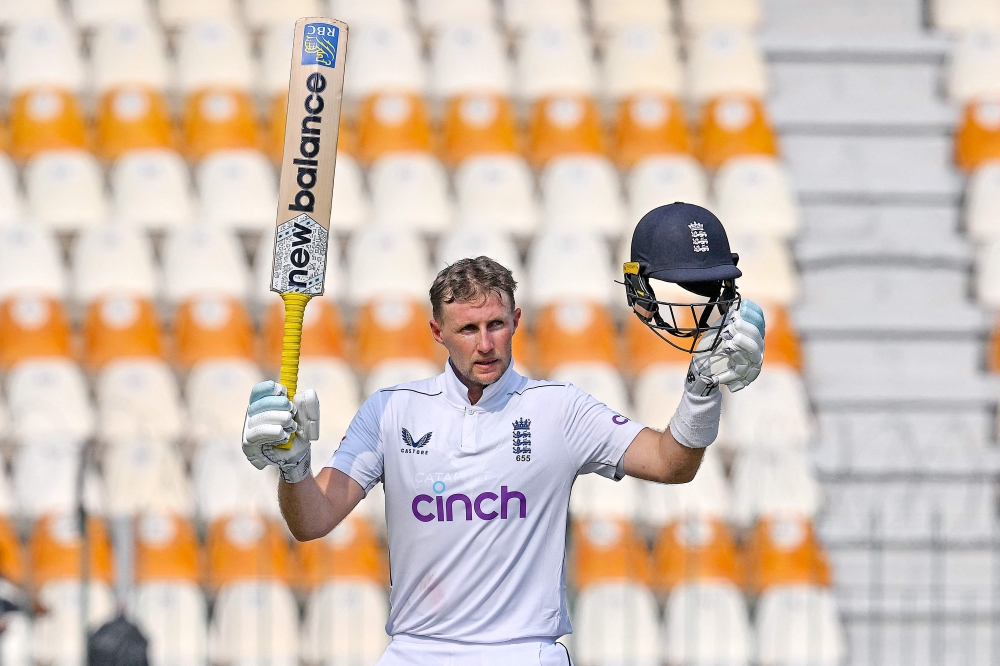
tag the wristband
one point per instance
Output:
(695, 424)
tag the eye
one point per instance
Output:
(496, 323)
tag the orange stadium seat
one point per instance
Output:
(393, 122)
(574, 330)
(994, 349)
(11, 555)
(117, 327)
(781, 341)
(219, 119)
(55, 550)
(247, 548)
(166, 549)
(608, 551)
(478, 124)
(695, 549)
(350, 552)
(524, 349)
(393, 328)
(45, 119)
(322, 331)
(274, 139)
(643, 348)
(649, 125)
(977, 139)
(564, 125)
(133, 118)
(734, 125)
(785, 551)
(210, 328)
(31, 327)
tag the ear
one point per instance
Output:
(436, 332)
(517, 318)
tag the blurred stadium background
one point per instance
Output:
(848, 514)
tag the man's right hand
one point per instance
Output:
(270, 421)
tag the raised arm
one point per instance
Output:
(657, 456)
(315, 505)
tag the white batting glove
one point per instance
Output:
(271, 419)
(737, 361)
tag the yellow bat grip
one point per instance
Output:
(295, 307)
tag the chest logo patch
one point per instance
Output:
(416, 447)
(521, 441)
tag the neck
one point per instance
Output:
(475, 390)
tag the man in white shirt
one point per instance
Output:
(477, 466)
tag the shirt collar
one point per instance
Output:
(457, 393)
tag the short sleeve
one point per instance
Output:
(597, 436)
(361, 454)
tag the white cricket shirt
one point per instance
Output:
(477, 498)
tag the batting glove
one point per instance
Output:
(738, 358)
(271, 419)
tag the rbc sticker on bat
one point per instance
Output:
(319, 44)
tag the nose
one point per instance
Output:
(485, 345)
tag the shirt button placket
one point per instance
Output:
(469, 430)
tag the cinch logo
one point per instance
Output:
(484, 506)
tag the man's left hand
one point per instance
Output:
(738, 358)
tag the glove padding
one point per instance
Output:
(737, 361)
(271, 419)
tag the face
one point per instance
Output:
(478, 337)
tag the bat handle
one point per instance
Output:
(295, 306)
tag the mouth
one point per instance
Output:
(487, 365)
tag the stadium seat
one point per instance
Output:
(204, 260)
(32, 327)
(695, 549)
(212, 327)
(607, 551)
(707, 623)
(964, 16)
(42, 53)
(610, 15)
(145, 475)
(565, 263)
(599, 379)
(399, 371)
(403, 250)
(393, 328)
(392, 122)
(138, 398)
(13, 567)
(246, 548)
(225, 486)
(562, 125)
(798, 624)
(468, 57)
(987, 282)
(173, 615)
(322, 332)
(129, 53)
(54, 548)
(977, 139)
(773, 483)
(376, 12)
(478, 125)
(385, 57)
(113, 259)
(554, 59)
(583, 192)
(497, 192)
(11, 203)
(238, 190)
(769, 274)
(213, 53)
(410, 191)
(275, 56)
(973, 61)
(644, 349)
(121, 327)
(734, 126)
(754, 197)
(784, 550)
(574, 330)
(44, 119)
(982, 203)
(49, 396)
(151, 189)
(641, 59)
(261, 14)
(132, 118)
(66, 190)
(217, 393)
(93, 14)
(597, 498)
(166, 549)
(617, 623)
(45, 475)
(661, 180)
(774, 416)
(351, 551)
(337, 387)
(432, 15)
(722, 60)
(993, 361)
(345, 623)
(523, 15)
(30, 262)
(701, 14)
(351, 207)
(56, 637)
(707, 496)
(781, 342)
(19, 11)
(648, 125)
(219, 119)
(241, 610)
(179, 13)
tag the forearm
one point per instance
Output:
(657, 456)
(316, 505)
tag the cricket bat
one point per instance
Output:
(305, 190)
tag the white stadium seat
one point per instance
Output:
(345, 623)
(658, 389)
(20, 11)
(725, 59)
(241, 609)
(42, 53)
(143, 475)
(49, 396)
(526, 14)
(358, 13)
(179, 13)
(497, 192)
(554, 59)
(261, 14)
(339, 394)
(609, 15)
(15, 644)
(45, 478)
(11, 203)
(411, 274)
(351, 207)
(775, 415)
(595, 497)
(129, 52)
(399, 371)
(564, 263)
(599, 379)
(113, 259)
(213, 53)
(468, 57)
(773, 483)
(174, 617)
(974, 62)
(702, 14)
(469, 242)
(617, 623)
(275, 56)
(658, 181)
(755, 197)
(435, 14)
(217, 393)
(98, 13)
(798, 624)
(238, 189)
(384, 56)
(410, 191)
(583, 192)
(707, 623)
(30, 262)
(137, 399)
(982, 203)
(152, 189)
(66, 189)
(960, 16)
(56, 637)
(200, 260)
(641, 58)
(707, 496)
(769, 274)
(225, 485)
